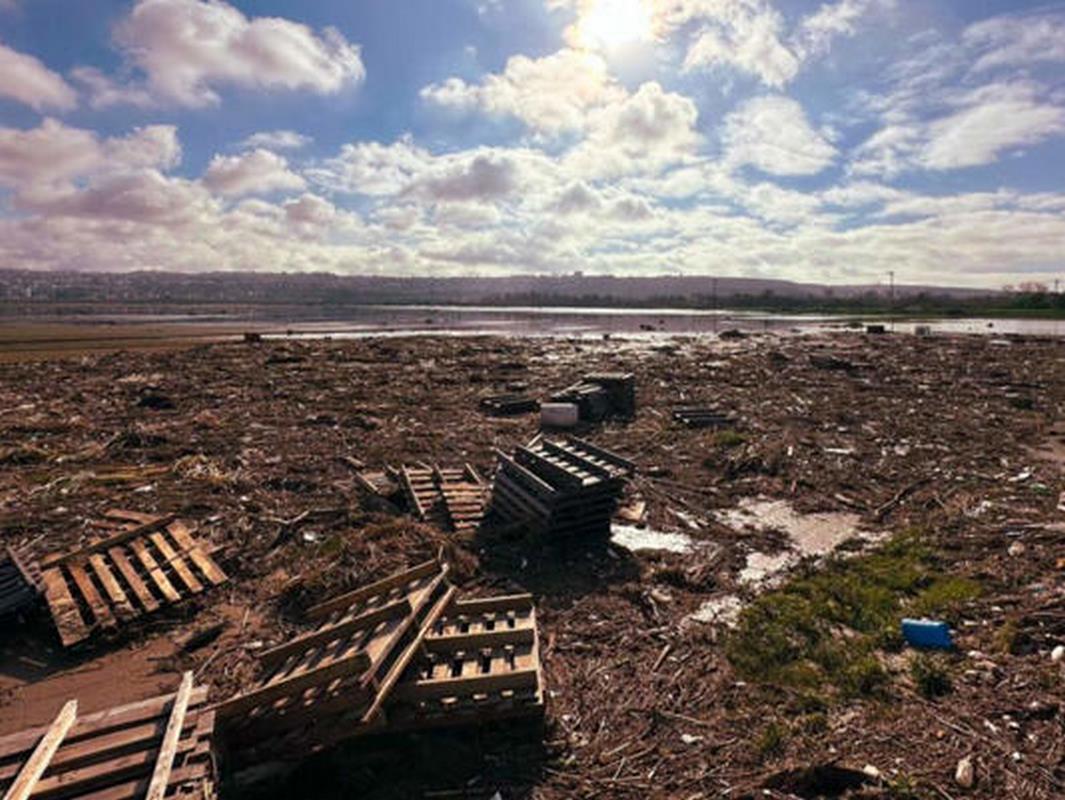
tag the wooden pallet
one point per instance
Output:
(330, 682)
(560, 488)
(153, 749)
(480, 662)
(452, 498)
(143, 562)
(509, 404)
(20, 581)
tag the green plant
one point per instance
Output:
(729, 438)
(931, 675)
(772, 740)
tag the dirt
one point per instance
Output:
(932, 435)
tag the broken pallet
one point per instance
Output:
(20, 581)
(480, 662)
(151, 749)
(330, 682)
(143, 563)
(452, 498)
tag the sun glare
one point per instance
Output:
(613, 23)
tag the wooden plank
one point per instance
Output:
(177, 562)
(354, 664)
(527, 678)
(165, 760)
(384, 691)
(605, 455)
(156, 573)
(412, 495)
(499, 637)
(68, 621)
(368, 619)
(121, 561)
(398, 581)
(510, 602)
(34, 768)
(114, 592)
(189, 544)
(88, 591)
(28, 573)
(108, 542)
(548, 469)
(131, 516)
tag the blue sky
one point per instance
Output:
(829, 141)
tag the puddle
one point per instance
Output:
(636, 539)
(808, 535)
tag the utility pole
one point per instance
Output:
(891, 304)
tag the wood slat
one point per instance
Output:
(203, 561)
(115, 594)
(165, 760)
(527, 678)
(109, 542)
(181, 569)
(125, 568)
(24, 785)
(68, 621)
(155, 572)
(360, 595)
(88, 592)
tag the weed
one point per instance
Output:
(729, 438)
(931, 676)
(823, 629)
(771, 741)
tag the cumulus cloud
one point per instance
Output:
(188, 49)
(255, 172)
(552, 94)
(54, 154)
(645, 132)
(372, 168)
(276, 140)
(25, 79)
(773, 134)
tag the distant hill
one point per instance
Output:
(21, 286)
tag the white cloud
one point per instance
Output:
(552, 94)
(53, 154)
(25, 79)
(1016, 40)
(981, 126)
(646, 132)
(188, 49)
(372, 168)
(996, 119)
(276, 140)
(255, 172)
(772, 134)
(816, 32)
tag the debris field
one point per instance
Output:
(301, 471)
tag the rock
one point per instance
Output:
(965, 775)
(1016, 549)
(871, 771)
(1057, 655)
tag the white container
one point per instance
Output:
(558, 415)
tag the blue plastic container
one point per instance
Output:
(929, 634)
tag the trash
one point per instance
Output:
(601, 395)
(1016, 549)
(922, 330)
(559, 415)
(927, 633)
(704, 418)
(876, 329)
(1057, 655)
(964, 774)
(252, 338)
(509, 404)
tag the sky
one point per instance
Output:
(828, 141)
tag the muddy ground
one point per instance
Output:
(949, 443)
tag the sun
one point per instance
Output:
(614, 23)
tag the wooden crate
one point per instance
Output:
(478, 663)
(142, 563)
(156, 748)
(20, 581)
(330, 682)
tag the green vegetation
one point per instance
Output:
(822, 631)
(931, 675)
(772, 740)
(729, 438)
